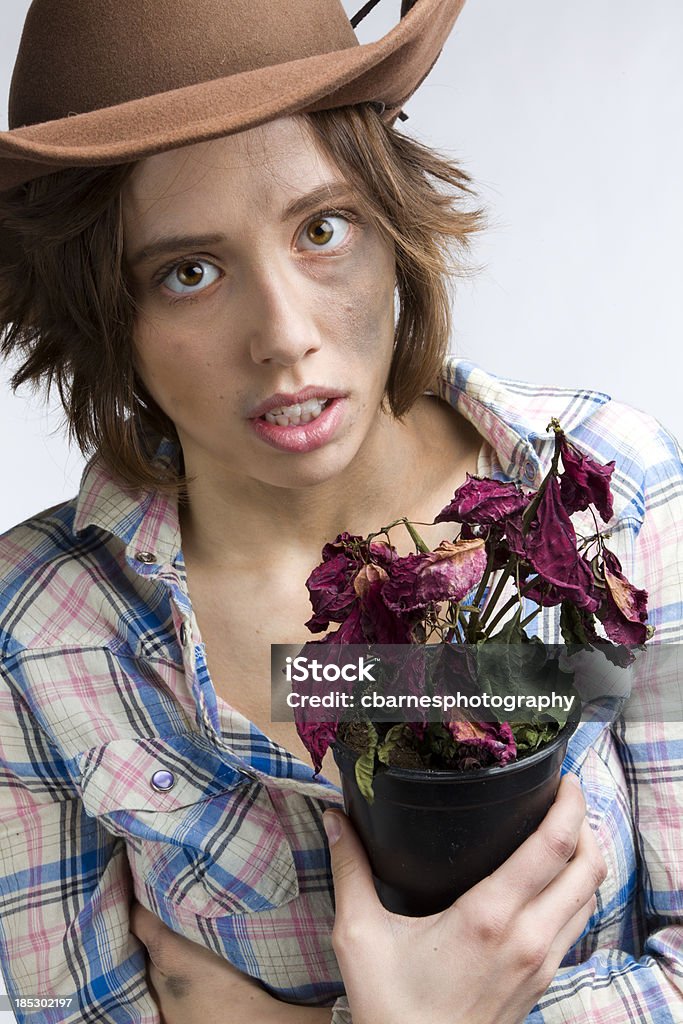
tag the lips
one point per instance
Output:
(304, 437)
(283, 399)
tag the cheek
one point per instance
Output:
(166, 364)
(368, 311)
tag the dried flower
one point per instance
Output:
(483, 743)
(480, 502)
(549, 545)
(317, 737)
(331, 584)
(380, 623)
(585, 482)
(457, 594)
(446, 574)
(624, 610)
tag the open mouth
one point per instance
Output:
(296, 415)
(303, 427)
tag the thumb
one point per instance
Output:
(353, 884)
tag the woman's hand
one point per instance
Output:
(192, 985)
(490, 956)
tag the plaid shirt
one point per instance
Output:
(105, 685)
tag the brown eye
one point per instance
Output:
(191, 276)
(320, 231)
(326, 233)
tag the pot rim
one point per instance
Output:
(450, 775)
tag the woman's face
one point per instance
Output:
(258, 277)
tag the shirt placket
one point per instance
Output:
(197, 676)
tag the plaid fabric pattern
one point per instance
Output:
(104, 684)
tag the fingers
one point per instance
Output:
(353, 884)
(558, 916)
(539, 859)
(571, 933)
(574, 887)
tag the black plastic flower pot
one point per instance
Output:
(431, 835)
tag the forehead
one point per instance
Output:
(266, 164)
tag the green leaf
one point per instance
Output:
(573, 623)
(438, 747)
(365, 766)
(503, 662)
(391, 740)
(572, 626)
(523, 668)
(364, 774)
(529, 737)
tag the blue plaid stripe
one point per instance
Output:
(100, 686)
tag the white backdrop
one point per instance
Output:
(568, 117)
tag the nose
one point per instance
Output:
(285, 328)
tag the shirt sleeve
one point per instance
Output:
(616, 986)
(65, 889)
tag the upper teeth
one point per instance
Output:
(294, 415)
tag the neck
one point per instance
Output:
(245, 524)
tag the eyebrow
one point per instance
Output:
(329, 192)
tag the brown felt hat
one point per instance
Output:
(107, 81)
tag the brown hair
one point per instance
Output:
(67, 311)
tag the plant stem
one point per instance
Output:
(506, 608)
(530, 617)
(464, 622)
(485, 579)
(511, 603)
(417, 539)
(385, 529)
(410, 527)
(500, 586)
(475, 611)
(454, 632)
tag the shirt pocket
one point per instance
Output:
(212, 844)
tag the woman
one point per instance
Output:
(213, 241)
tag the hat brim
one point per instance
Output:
(386, 71)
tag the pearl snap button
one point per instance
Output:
(530, 471)
(184, 634)
(163, 780)
(147, 557)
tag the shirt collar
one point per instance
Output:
(510, 415)
(146, 521)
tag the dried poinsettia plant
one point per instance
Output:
(457, 599)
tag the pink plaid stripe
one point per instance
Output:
(101, 688)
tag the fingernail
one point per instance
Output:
(333, 827)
